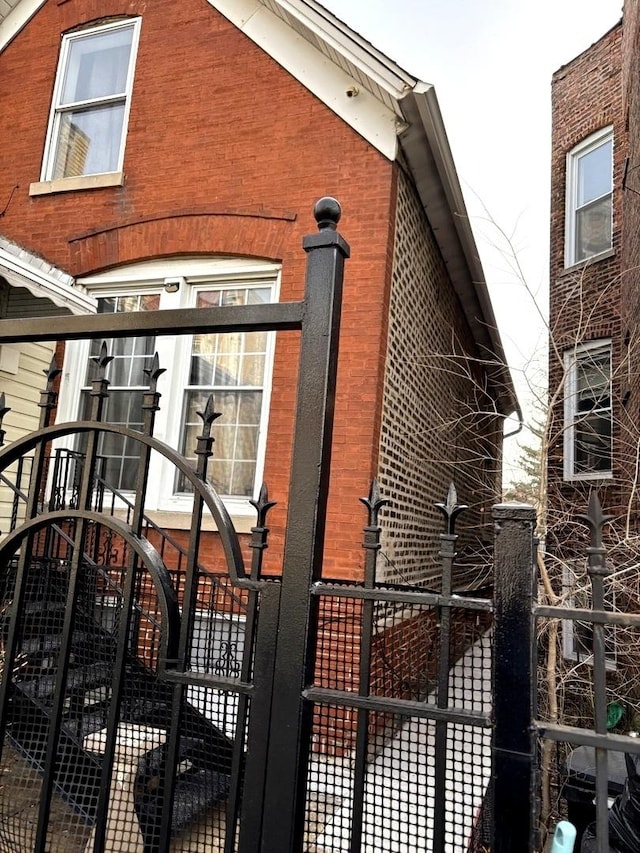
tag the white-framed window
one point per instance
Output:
(588, 413)
(91, 101)
(235, 367)
(589, 216)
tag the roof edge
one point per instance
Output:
(447, 213)
(13, 21)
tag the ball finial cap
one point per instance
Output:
(327, 212)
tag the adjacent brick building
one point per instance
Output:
(590, 429)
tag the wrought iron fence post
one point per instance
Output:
(290, 729)
(514, 684)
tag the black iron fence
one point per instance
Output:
(243, 712)
(584, 736)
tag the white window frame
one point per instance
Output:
(595, 140)
(194, 275)
(57, 109)
(571, 361)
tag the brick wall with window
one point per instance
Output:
(222, 155)
(592, 426)
(216, 164)
(630, 282)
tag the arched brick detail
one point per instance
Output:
(246, 235)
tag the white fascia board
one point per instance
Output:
(357, 50)
(58, 289)
(368, 116)
(15, 20)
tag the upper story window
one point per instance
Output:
(589, 192)
(235, 367)
(91, 101)
(588, 427)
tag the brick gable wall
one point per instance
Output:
(226, 154)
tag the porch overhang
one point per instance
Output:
(20, 268)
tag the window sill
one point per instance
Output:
(587, 478)
(80, 182)
(177, 520)
(594, 259)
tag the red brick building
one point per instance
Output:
(168, 154)
(590, 429)
(631, 222)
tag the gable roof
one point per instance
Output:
(394, 111)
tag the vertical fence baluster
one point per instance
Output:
(203, 452)
(99, 394)
(450, 510)
(371, 544)
(597, 570)
(254, 784)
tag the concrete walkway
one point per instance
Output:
(399, 796)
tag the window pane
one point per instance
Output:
(252, 372)
(232, 469)
(226, 369)
(593, 229)
(243, 477)
(124, 408)
(592, 412)
(127, 378)
(594, 173)
(593, 444)
(89, 141)
(593, 382)
(97, 65)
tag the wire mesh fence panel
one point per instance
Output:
(401, 750)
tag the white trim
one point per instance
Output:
(21, 269)
(571, 360)
(591, 143)
(367, 115)
(16, 19)
(50, 149)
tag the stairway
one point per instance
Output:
(202, 776)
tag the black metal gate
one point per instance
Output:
(150, 704)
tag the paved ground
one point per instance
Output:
(67, 832)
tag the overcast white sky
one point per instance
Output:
(491, 62)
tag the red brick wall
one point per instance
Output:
(630, 293)
(585, 298)
(226, 153)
